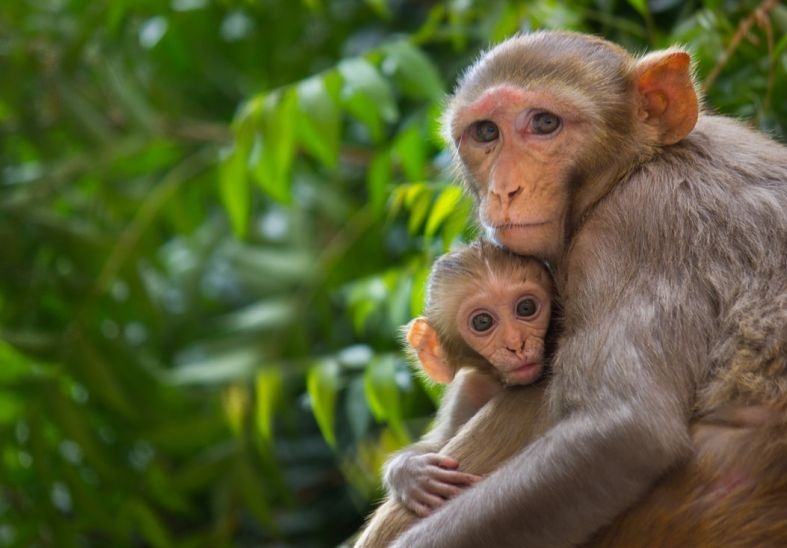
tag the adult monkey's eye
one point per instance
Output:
(544, 123)
(527, 307)
(485, 131)
(483, 321)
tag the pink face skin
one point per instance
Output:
(514, 145)
(506, 324)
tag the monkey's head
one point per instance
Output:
(544, 124)
(485, 306)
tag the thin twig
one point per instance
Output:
(760, 16)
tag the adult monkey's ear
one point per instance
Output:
(668, 100)
(422, 338)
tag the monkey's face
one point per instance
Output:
(515, 147)
(505, 322)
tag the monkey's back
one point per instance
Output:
(707, 241)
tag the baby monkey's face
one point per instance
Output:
(506, 322)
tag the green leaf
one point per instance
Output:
(11, 408)
(364, 298)
(378, 178)
(361, 312)
(419, 210)
(367, 96)
(219, 367)
(382, 392)
(781, 45)
(85, 111)
(148, 524)
(323, 383)
(410, 149)
(234, 188)
(458, 221)
(418, 294)
(641, 6)
(13, 364)
(508, 23)
(102, 381)
(274, 149)
(268, 386)
(234, 169)
(160, 485)
(380, 7)
(357, 412)
(74, 424)
(185, 434)
(413, 192)
(414, 72)
(399, 300)
(263, 315)
(249, 483)
(282, 265)
(84, 497)
(398, 199)
(319, 121)
(443, 207)
(128, 96)
(235, 402)
(201, 468)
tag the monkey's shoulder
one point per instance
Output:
(726, 153)
(724, 177)
(720, 152)
(711, 208)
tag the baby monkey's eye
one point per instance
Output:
(483, 321)
(485, 131)
(527, 307)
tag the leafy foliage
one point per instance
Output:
(214, 215)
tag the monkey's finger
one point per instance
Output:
(431, 499)
(415, 502)
(455, 478)
(444, 491)
(421, 510)
(443, 462)
(414, 505)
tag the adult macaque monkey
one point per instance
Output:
(668, 231)
(485, 322)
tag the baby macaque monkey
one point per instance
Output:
(484, 326)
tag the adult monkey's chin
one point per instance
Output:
(536, 239)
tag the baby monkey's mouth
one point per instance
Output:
(523, 374)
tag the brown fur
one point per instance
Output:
(670, 253)
(390, 519)
(732, 493)
(478, 278)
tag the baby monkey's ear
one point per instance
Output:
(424, 342)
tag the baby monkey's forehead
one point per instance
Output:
(533, 270)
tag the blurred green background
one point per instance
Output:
(214, 217)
